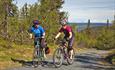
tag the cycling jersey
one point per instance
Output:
(38, 32)
(66, 30)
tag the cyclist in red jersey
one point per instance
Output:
(69, 35)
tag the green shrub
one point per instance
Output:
(106, 39)
(86, 40)
(100, 38)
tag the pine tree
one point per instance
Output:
(51, 15)
(6, 11)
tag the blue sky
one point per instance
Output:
(82, 10)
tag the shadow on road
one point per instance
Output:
(23, 62)
(92, 62)
(47, 64)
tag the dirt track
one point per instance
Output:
(87, 60)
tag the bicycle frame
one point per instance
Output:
(62, 53)
(63, 47)
(59, 54)
(38, 51)
(37, 47)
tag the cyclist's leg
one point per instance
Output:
(34, 51)
(42, 43)
(70, 46)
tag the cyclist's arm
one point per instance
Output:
(43, 32)
(43, 35)
(70, 35)
(57, 35)
(31, 35)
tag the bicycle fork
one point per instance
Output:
(65, 53)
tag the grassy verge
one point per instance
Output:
(22, 52)
(17, 52)
(111, 57)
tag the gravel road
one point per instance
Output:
(88, 60)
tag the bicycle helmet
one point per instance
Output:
(64, 21)
(36, 22)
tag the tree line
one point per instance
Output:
(14, 23)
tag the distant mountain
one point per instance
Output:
(82, 26)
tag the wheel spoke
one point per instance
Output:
(57, 58)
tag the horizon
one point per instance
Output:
(90, 22)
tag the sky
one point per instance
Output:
(82, 10)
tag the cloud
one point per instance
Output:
(82, 10)
(99, 15)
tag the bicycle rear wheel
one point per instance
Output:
(58, 57)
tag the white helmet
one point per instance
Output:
(64, 21)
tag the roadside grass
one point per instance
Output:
(14, 51)
(110, 56)
(113, 57)
(21, 52)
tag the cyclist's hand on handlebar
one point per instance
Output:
(55, 39)
(32, 37)
(43, 37)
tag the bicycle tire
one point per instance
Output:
(71, 61)
(59, 55)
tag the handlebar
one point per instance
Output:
(63, 41)
(37, 38)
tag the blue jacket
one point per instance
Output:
(38, 32)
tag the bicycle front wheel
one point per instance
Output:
(58, 57)
(35, 57)
(42, 53)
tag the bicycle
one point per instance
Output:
(62, 53)
(38, 55)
